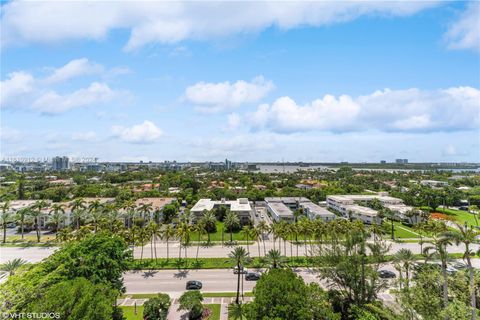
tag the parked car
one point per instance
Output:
(451, 270)
(459, 265)
(242, 270)
(386, 274)
(11, 225)
(252, 276)
(261, 216)
(194, 285)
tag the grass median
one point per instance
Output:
(226, 263)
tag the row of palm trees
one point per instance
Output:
(81, 213)
(437, 248)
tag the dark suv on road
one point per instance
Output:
(252, 276)
(194, 285)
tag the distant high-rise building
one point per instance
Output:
(401, 161)
(383, 162)
(60, 163)
(228, 164)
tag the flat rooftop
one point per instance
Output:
(241, 204)
(280, 209)
(316, 210)
(362, 197)
(287, 199)
(362, 210)
(157, 203)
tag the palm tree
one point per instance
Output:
(5, 218)
(439, 248)
(275, 258)
(167, 233)
(130, 212)
(304, 227)
(143, 236)
(145, 209)
(94, 209)
(246, 233)
(113, 216)
(297, 214)
(275, 230)
(231, 222)
(405, 258)
(184, 230)
(209, 220)
(186, 217)
(240, 256)
(21, 217)
(255, 234)
(390, 215)
(467, 236)
(12, 265)
(201, 230)
(263, 228)
(57, 215)
(154, 230)
(77, 207)
(36, 214)
(236, 311)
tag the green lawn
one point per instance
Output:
(30, 240)
(215, 308)
(203, 263)
(401, 231)
(129, 313)
(225, 263)
(217, 236)
(460, 216)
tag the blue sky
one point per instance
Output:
(256, 81)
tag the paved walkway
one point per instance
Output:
(174, 314)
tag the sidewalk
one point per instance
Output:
(173, 314)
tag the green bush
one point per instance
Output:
(157, 308)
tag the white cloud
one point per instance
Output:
(214, 97)
(53, 103)
(74, 68)
(88, 136)
(22, 90)
(15, 87)
(465, 32)
(172, 22)
(233, 121)
(450, 150)
(450, 109)
(9, 135)
(236, 146)
(146, 132)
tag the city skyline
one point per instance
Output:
(311, 82)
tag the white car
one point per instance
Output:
(261, 216)
(242, 270)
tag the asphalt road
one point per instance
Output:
(35, 254)
(214, 280)
(173, 281)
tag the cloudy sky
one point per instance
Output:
(254, 81)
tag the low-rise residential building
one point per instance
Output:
(282, 208)
(349, 206)
(241, 207)
(434, 183)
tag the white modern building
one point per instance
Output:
(241, 207)
(281, 208)
(350, 206)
